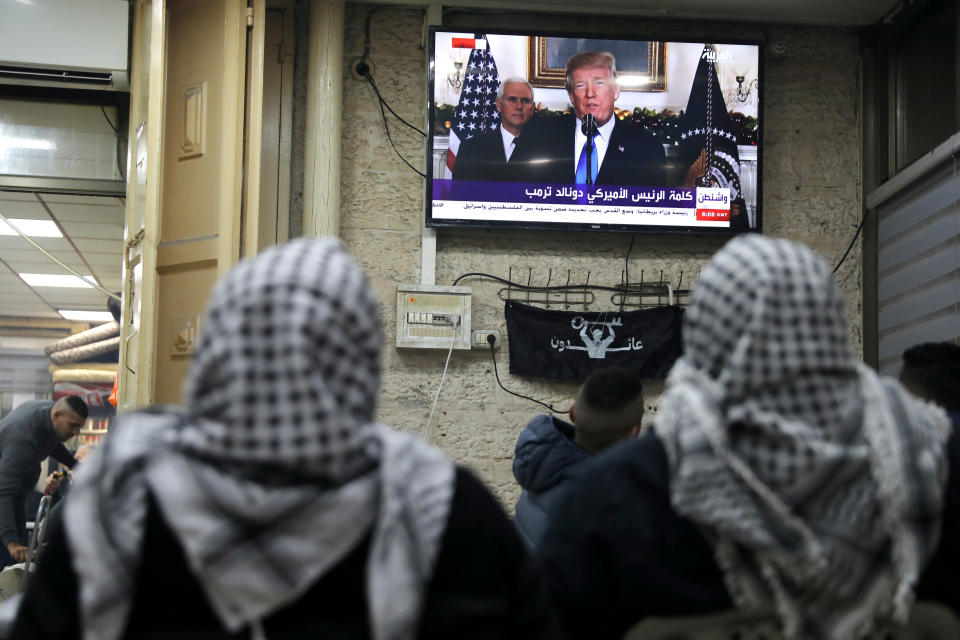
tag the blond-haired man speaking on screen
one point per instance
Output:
(591, 146)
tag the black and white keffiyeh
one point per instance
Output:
(819, 484)
(275, 470)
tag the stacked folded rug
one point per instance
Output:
(85, 365)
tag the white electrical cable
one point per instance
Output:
(456, 325)
(57, 260)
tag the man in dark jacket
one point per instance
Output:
(33, 431)
(486, 156)
(767, 470)
(608, 408)
(304, 518)
(621, 154)
(932, 371)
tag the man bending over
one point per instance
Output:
(33, 431)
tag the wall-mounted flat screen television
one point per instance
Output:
(557, 131)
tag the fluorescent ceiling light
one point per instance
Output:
(33, 228)
(55, 280)
(80, 314)
(26, 143)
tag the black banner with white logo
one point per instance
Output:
(568, 345)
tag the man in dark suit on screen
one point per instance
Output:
(487, 156)
(621, 153)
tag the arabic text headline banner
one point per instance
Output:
(535, 192)
(584, 204)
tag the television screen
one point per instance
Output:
(552, 131)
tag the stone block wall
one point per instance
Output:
(811, 193)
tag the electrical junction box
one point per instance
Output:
(427, 316)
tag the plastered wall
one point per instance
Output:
(810, 193)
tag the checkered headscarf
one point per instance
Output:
(276, 470)
(819, 484)
(287, 370)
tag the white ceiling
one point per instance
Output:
(92, 245)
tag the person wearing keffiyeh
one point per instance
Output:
(780, 474)
(272, 505)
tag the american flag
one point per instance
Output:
(476, 111)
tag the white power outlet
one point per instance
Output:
(480, 339)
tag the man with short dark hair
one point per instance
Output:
(608, 408)
(932, 371)
(620, 153)
(33, 431)
(486, 155)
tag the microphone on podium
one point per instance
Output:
(589, 126)
(589, 129)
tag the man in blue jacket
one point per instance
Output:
(608, 408)
(33, 431)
